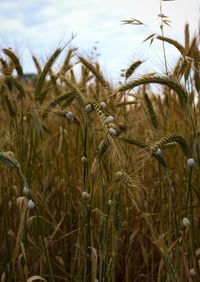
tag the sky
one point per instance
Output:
(39, 26)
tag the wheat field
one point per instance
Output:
(100, 182)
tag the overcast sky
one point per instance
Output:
(38, 26)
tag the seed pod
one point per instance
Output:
(112, 131)
(191, 162)
(31, 204)
(186, 222)
(26, 191)
(111, 125)
(70, 117)
(110, 203)
(85, 195)
(158, 152)
(102, 105)
(119, 174)
(192, 272)
(109, 119)
(84, 160)
(88, 108)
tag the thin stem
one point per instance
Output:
(44, 245)
(163, 44)
(85, 154)
(189, 198)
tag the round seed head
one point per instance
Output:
(119, 174)
(102, 105)
(26, 191)
(192, 272)
(85, 195)
(191, 162)
(158, 152)
(110, 203)
(186, 222)
(112, 131)
(111, 125)
(69, 116)
(88, 108)
(31, 204)
(84, 160)
(109, 119)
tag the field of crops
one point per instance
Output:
(100, 182)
